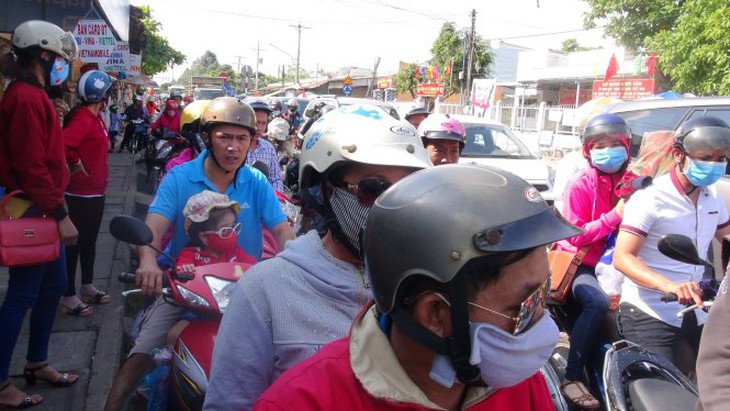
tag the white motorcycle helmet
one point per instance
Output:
(46, 36)
(361, 134)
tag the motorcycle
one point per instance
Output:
(205, 295)
(164, 146)
(139, 135)
(625, 375)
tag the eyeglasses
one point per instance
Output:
(369, 189)
(528, 308)
(226, 232)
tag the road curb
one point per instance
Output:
(108, 351)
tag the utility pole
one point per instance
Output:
(467, 89)
(258, 61)
(299, 28)
(374, 78)
(238, 68)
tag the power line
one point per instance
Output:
(544, 34)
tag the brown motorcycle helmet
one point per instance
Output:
(229, 110)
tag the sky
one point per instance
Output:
(343, 33)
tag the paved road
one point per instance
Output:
(88, 346)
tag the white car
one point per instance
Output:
(491, 143)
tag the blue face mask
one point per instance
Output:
(704, 173)
(609, 159)
(59, 71)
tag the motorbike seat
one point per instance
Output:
(651, 394)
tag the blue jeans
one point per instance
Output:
(586, 331)
(40, 287)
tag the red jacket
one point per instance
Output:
(86, 140)
(169, 122)
(31, 148)
(326, 381)
(198, 257)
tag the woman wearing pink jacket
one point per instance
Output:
(590, 202)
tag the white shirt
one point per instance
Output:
(661, 209)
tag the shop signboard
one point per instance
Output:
(119, 59)
(135, 64)
(429, 90)
(624, 89)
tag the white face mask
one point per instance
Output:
(503, 359)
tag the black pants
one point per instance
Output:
(85, 213)
(128, 131)
(678, 344)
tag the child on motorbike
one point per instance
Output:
(210, 221)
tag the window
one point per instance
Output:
(643, 121)
(721, 113)
(485, 140)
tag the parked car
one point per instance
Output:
(490, 143)
(644, 116)
(339, 101)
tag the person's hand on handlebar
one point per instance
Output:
(687, 292)
(149, 278)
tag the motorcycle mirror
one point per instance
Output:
(681, 248)
(130, 229)
(262, 167)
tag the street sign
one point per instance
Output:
(348, 81)
(347, 89)
(246, 71)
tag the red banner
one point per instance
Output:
(629, 89)
(430, 90)
(566, 96)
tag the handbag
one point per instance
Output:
(28, 240)
(563, 265)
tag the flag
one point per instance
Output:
(423, 74)
(447, 69)
(612, 68)
(639, 64)
(436, 73)
(651, 64)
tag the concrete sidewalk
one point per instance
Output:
(89, 346)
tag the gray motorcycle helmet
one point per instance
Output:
(703, 134)
(434, 221)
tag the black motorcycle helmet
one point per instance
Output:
(703, 133)
(431, 226)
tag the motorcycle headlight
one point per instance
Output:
(221, 290)
(192, 298)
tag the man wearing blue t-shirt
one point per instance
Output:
(227, 125)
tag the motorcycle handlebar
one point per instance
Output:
(669, 297)
(127, 278)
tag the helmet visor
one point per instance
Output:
(68, 46)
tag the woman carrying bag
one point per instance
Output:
(86, 140)
(591, 203)
(32, 160)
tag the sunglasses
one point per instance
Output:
(368, 190)
(528, 308)
(226, 232)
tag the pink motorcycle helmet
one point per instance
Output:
(442, 127)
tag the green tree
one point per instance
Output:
(631, 22)
(695, 53)
(448, 51)
(572, 45)
(405, 81)
(158, 55)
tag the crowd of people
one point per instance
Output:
(422, 285)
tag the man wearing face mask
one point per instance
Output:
(285, 309)
(684, 201)
(458, 320)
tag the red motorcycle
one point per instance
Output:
(205, 294)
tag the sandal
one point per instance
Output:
(99, 297)
(578, 395)
(65, 380)
(26, 402)
(81, 310)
